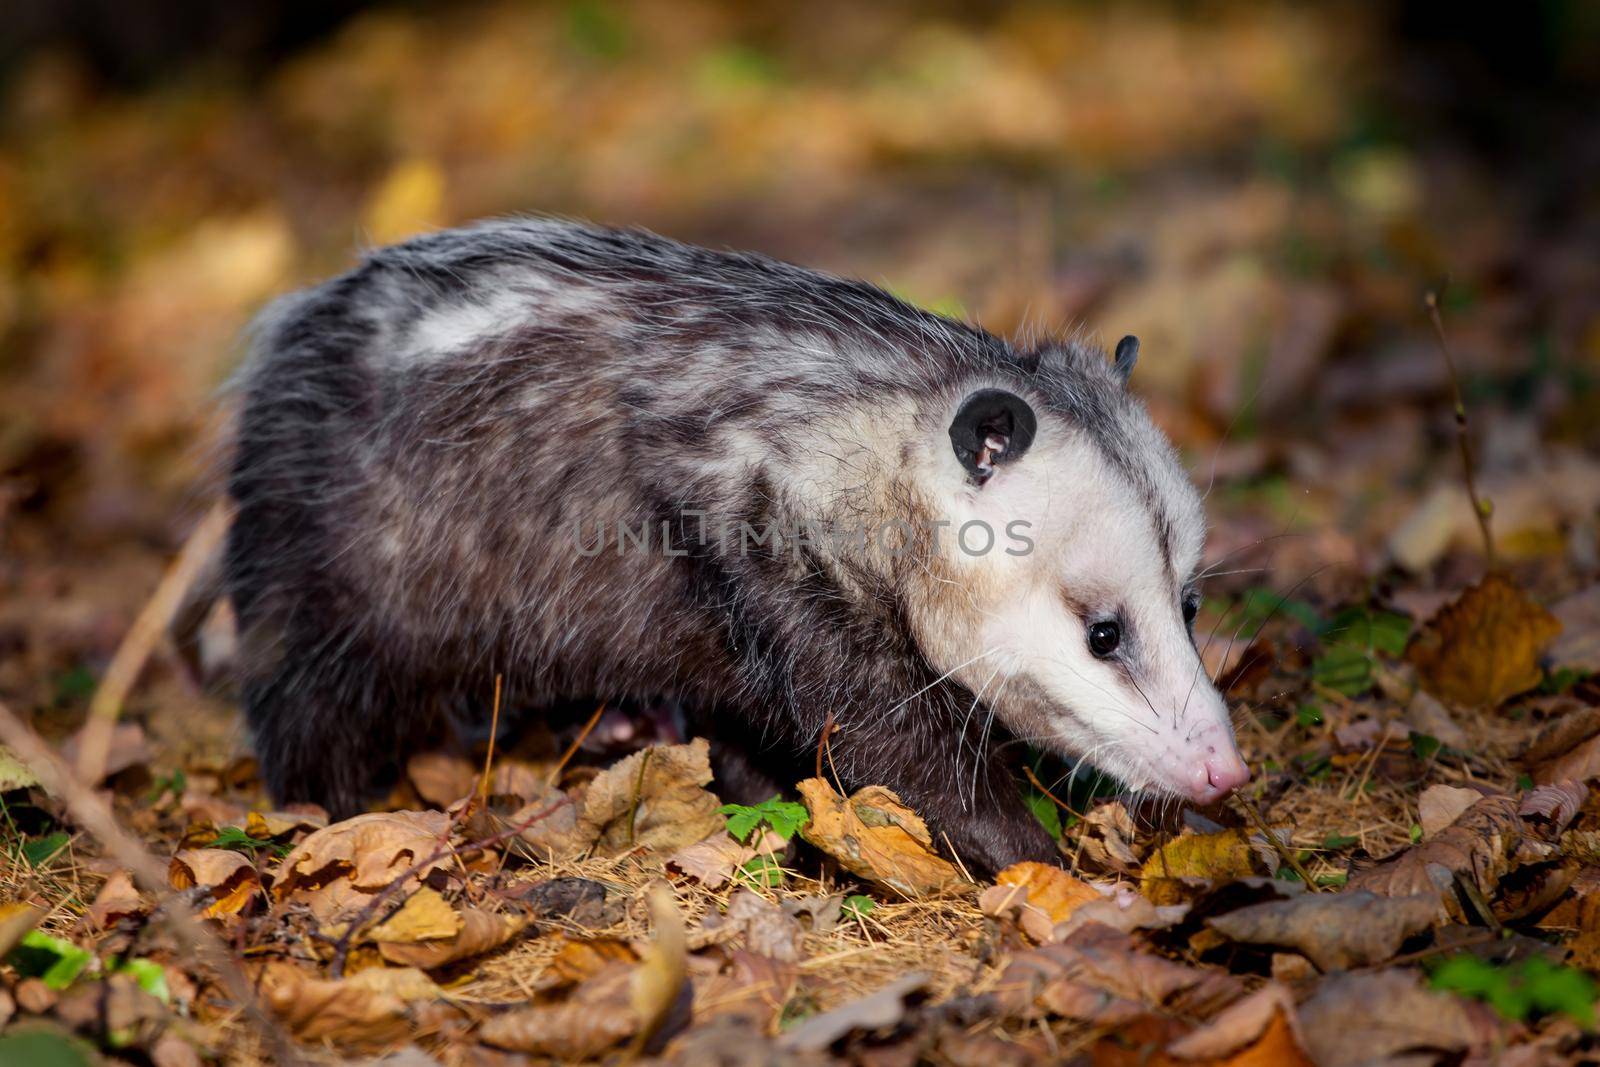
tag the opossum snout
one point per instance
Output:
(1217, 773)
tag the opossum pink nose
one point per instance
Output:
(1225, 772)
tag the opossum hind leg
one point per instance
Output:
(336, 731)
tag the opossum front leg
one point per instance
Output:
(978, 814)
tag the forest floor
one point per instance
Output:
(1413, 873)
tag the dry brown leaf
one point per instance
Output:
(17, 917)
(129, 748)
(1366, 1018)
(1050, 888)
(876, 1011)
(345, 1012)
(753, 986)
(230, 876)
(341, 867)
(1486, 842)
(654, 799)
(117, 900)
(597, 1018)
(1578, 647)
(768, 930)
(1336, 931)
(1221, 856)
(875, 837)
(1557, 803)
(1568, 749)
(481, 931)
(1011, 902)
(576, 962)
(407, 983)
(555, 834)
(424, 916)
(272, 825)
(712, 862)
(1261, 1030)
(1096, 975)
(1484, 647)
(441, 778)
(1441, 805)
(1107, 838)
(663, 971)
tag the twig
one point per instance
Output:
(488, 759)
(93, 813)
(1057, 801)
(577, 743)
(638, 793)
(1481, 509)
(341, 947)
(1284, 851)
(140, 640)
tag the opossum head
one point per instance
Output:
(1075, 628)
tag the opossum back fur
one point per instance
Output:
(419, 439)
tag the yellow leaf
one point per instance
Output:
(231, 877)
(1221, 856)
(1484, 647)
(876, 837)
(1050, 888)
(424, 917)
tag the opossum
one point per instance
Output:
(604, 464)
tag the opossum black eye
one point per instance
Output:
(1191, 607)
(993, 427)
(1104, 637)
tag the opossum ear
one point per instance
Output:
(1127, 356)
(993, 427)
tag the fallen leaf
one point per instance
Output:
(1011, 902)
(579, 1029)
(481, 931)
(1578, 647)
(653, 799)
(1126, 912)
(1484, 647)
(663, 970)
(17, 917)
(1426, 715)
(117, 900)
(756, 987)
(424, 916)
(229, 875)
(876, 837)
(128, 748)
(407, 983)
(1050, 888)
(441, 778)
(1336, 931)
(341, 867)
(1557, 803)
(554, 832)
(1482, 845)
(346, 1012)
(578, 961)
(1220, 856)
(14, 774)
(1441, 805)
(276, 825)
(1367, 1018)
(1567, 749)
(409, 199)
(767, 929)
(876, 1011)
(1107, 838)
(1261, 1030)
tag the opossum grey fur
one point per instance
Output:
(419, 438)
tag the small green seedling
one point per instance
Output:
(58, 963)
(858, 905)
(784, 818)
(237, 839)
(42, 850)
(764, 871)
(1531, 987)
(1337, 841)
(1416, 832)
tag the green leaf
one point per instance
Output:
(237, 839)
(785, 818)
(147, 973)
(1425, 745)
(1339, 841)
(1345, 669)
(858, 905)
(44, 1048)
(1533, 986)
(57, 962)
(1416, 832)
(1308, 714)
(763, 870)
(741, 819)
(1045, 810)
(40, 850)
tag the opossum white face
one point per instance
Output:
(1082, 644)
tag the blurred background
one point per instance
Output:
(1263, 192)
